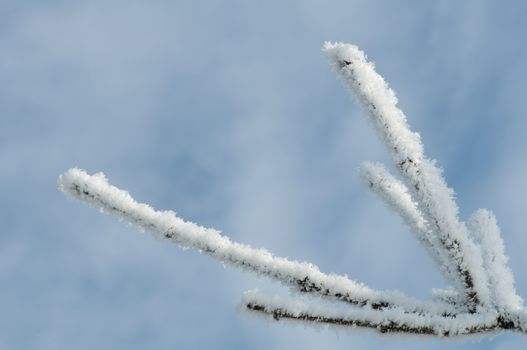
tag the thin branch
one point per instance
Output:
(428, 187)
(486, 233)
(395, 194)
(301, 276)
(386, 321)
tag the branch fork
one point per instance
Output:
(482, 297)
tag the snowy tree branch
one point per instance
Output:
(425, 180)
(395, 194)
(471, 256)
(303, 277)
(484, 228)
(385, 321)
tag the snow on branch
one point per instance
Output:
(302, 276)
(486, 233)
(386, 321)
(482, 297)
(395, 194)
(429, 190)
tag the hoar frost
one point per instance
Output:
(481, 296)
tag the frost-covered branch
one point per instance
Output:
(486, 233)
(302, 276)
(424, 178)
(385, 321)
(396, 195)
(471, 256)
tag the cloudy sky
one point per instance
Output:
(228, 113)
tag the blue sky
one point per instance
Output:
(228, 113)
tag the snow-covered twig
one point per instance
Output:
(428, 188)
(486, 233)
(395, 194)
(301, 276)
(385, 321)
(482, 297)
